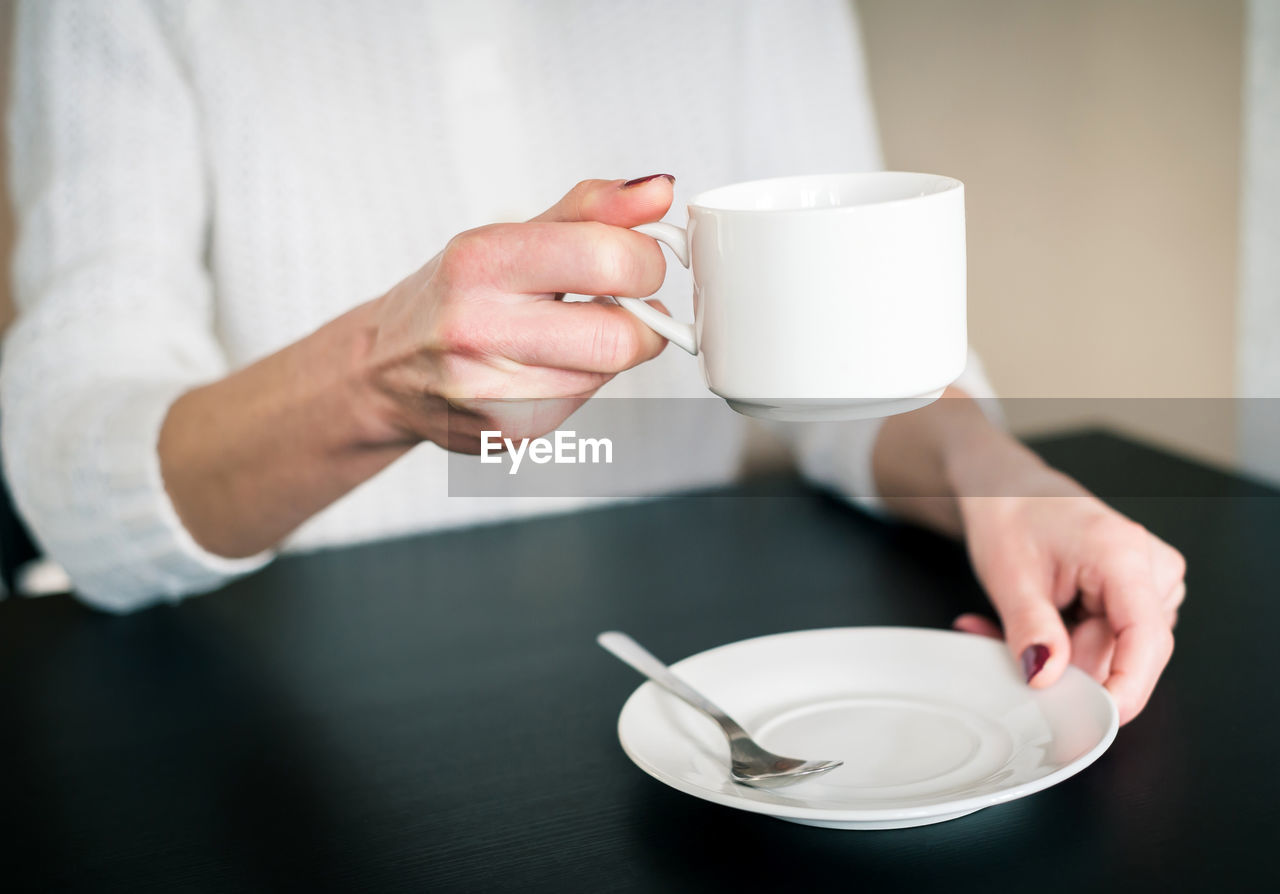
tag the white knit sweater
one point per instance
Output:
(201, 182)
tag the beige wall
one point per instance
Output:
(1099, 142)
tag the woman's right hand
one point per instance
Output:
(476, 340)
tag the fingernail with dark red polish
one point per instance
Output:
(1033, 659)
(639, 180)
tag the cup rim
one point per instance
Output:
(941, 183)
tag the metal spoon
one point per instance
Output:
(751, 764)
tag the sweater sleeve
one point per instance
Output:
(115, 305)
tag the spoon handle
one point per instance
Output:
(637, 656)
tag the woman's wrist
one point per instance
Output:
(379, 411)
(248, 458)
(991, 468)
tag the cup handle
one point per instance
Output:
(680, 334)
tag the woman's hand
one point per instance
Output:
(1072, 580)
(475, 340)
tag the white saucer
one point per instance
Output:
(931, 725)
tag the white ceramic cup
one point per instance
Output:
(837, 296)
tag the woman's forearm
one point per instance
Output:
(250, 457)
(924, 462)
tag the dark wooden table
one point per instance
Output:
(433, 713)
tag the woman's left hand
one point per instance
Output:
(1075, 582)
